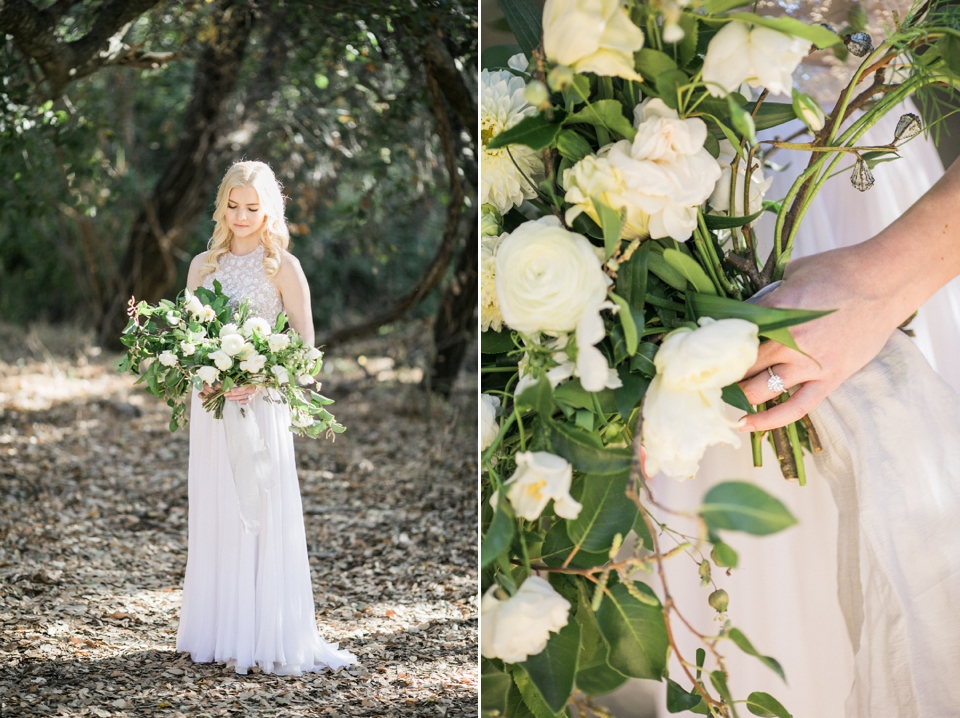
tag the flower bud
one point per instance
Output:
(491, 221)
(560, 78)
(537, 94)
(808, 110)
(908, 127)
(672, 33)
(719, 600)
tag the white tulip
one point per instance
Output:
(232, 344)
(209, 374)
(757, 55)
(520, 626)
(489, 428)
(594, 177)
(253, 364)
(187, 348)
(541, 476)
(713, 356)
(283, 377)
(258, 325)
(278, 342)
(168, 358)
(221, 359)
(759, 184)
(591, 36)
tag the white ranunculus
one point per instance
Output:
(194, 305)
(168, 358)
(720, 199)
(232, 344)
(228, 329)
(187, 348)
(221, 359)
(313, 354)
(209, 374)
(547, 277)
(490, 316)
(667, 172)
(502, 105)
(594, 177)
(757, 55)
(278, 342)
(207, 314)
(258, 325)
(520, 626)
(489, 428)
(591, 36)
(541, 476)
(283, 376)
(253, 364)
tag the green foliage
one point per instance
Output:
(634, 630)
(740, 506)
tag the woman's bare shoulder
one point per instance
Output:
(289, 264)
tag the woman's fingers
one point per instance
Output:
(803, 401)
(769, 353)
(757, 388)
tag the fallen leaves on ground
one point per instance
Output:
(93, 544)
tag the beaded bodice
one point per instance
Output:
(242, 278)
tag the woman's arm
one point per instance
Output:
(874, 287)
(291, 282)
(193, 274)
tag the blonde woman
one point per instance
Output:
(247, 599)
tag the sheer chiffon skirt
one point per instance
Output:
(248, 599)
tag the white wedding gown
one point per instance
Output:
(248, 598)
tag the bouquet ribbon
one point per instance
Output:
(249, 460)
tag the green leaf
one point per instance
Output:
(634, 386)
(535, 131)
(739, 506)
(783, 336)
(516, 708)
(949, 47)
(691, 31)
(715, 221)
(594, 676)
(496, 57)
(611, 223)
(538, 397)
(531, 696)
(658, 265)
(727, 133)
(817, 34)
(524, 18)
(724, 556)
(642, 361)
(667, 85)
(496, 342)
(736, 635)
(690, 269)
(606, 512)
(742, 121)
(584, 454)
(714, 6)
(734, 396)
(771, 114)
(651, 63)
(763, 704)
(678, 700)
(767, 319)
(557, 546)
(494, 688)
(572, 145)
(642, 531)
(499, 533)
(632, 277)
(572, 394)
(553, 669)
(626, 320)
(635, 632)
(719, 681)
(603, 113)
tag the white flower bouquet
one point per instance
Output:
(178, 346)
(622, 186)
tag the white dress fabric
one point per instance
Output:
(784, 595)
(248, 597)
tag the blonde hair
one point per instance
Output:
(275, 237)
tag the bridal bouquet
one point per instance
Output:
(198, 340)
(623, 182)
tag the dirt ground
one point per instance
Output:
(93, 530)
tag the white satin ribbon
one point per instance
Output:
(249, 460)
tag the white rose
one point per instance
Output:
(520, 626)
(667, 172)
(209, 374)
(594, 177)
(591, 36)
(221, 359)
(194, 305)
(490, 316)
(258, 325)
(720, 198)
(759, 56)
(232, 344)
(314, 354)
(489, 428)
(207, 314)
(168, 358)
(187, 348)
(228, 329)
(254, 364)
(283, 377)
(541, 476)
(278, 342)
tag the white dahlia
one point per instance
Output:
(502, 105)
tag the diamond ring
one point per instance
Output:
(775, 383)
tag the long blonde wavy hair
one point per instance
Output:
(275, 237)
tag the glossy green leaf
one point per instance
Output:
(635, 632)
(736, 635)
(538, 397)
(524, 18)
(626, 321)
(688, 45)
(516, 708)
(771, 114)
(817, 34)
(496, 342)
(610, 222)
(739, 506)
(659, 266)
(679, 700)
(651, 63)
(584, 454)
(557, 546)
(531, 696)
(572, 145)
(632, 277)
(633, 387)
(763, 704)
(496, 57)
(642, 531)
(535, 131)
(499, 533)
(494, 688)
(767, 319)
(571, 393)
(606, 512)
(734, 396)
(715, 221)
(715, 6)
(668, 84)
(719, 681)
(604, 113)
(552, 670)
(742, 120)
(594, 676)
(691, 270)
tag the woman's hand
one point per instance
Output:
(242, 394)
(838, 344)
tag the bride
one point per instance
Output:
(247, 598)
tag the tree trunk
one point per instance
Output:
(456, 319)
(148, 269)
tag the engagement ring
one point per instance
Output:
(775, 383)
